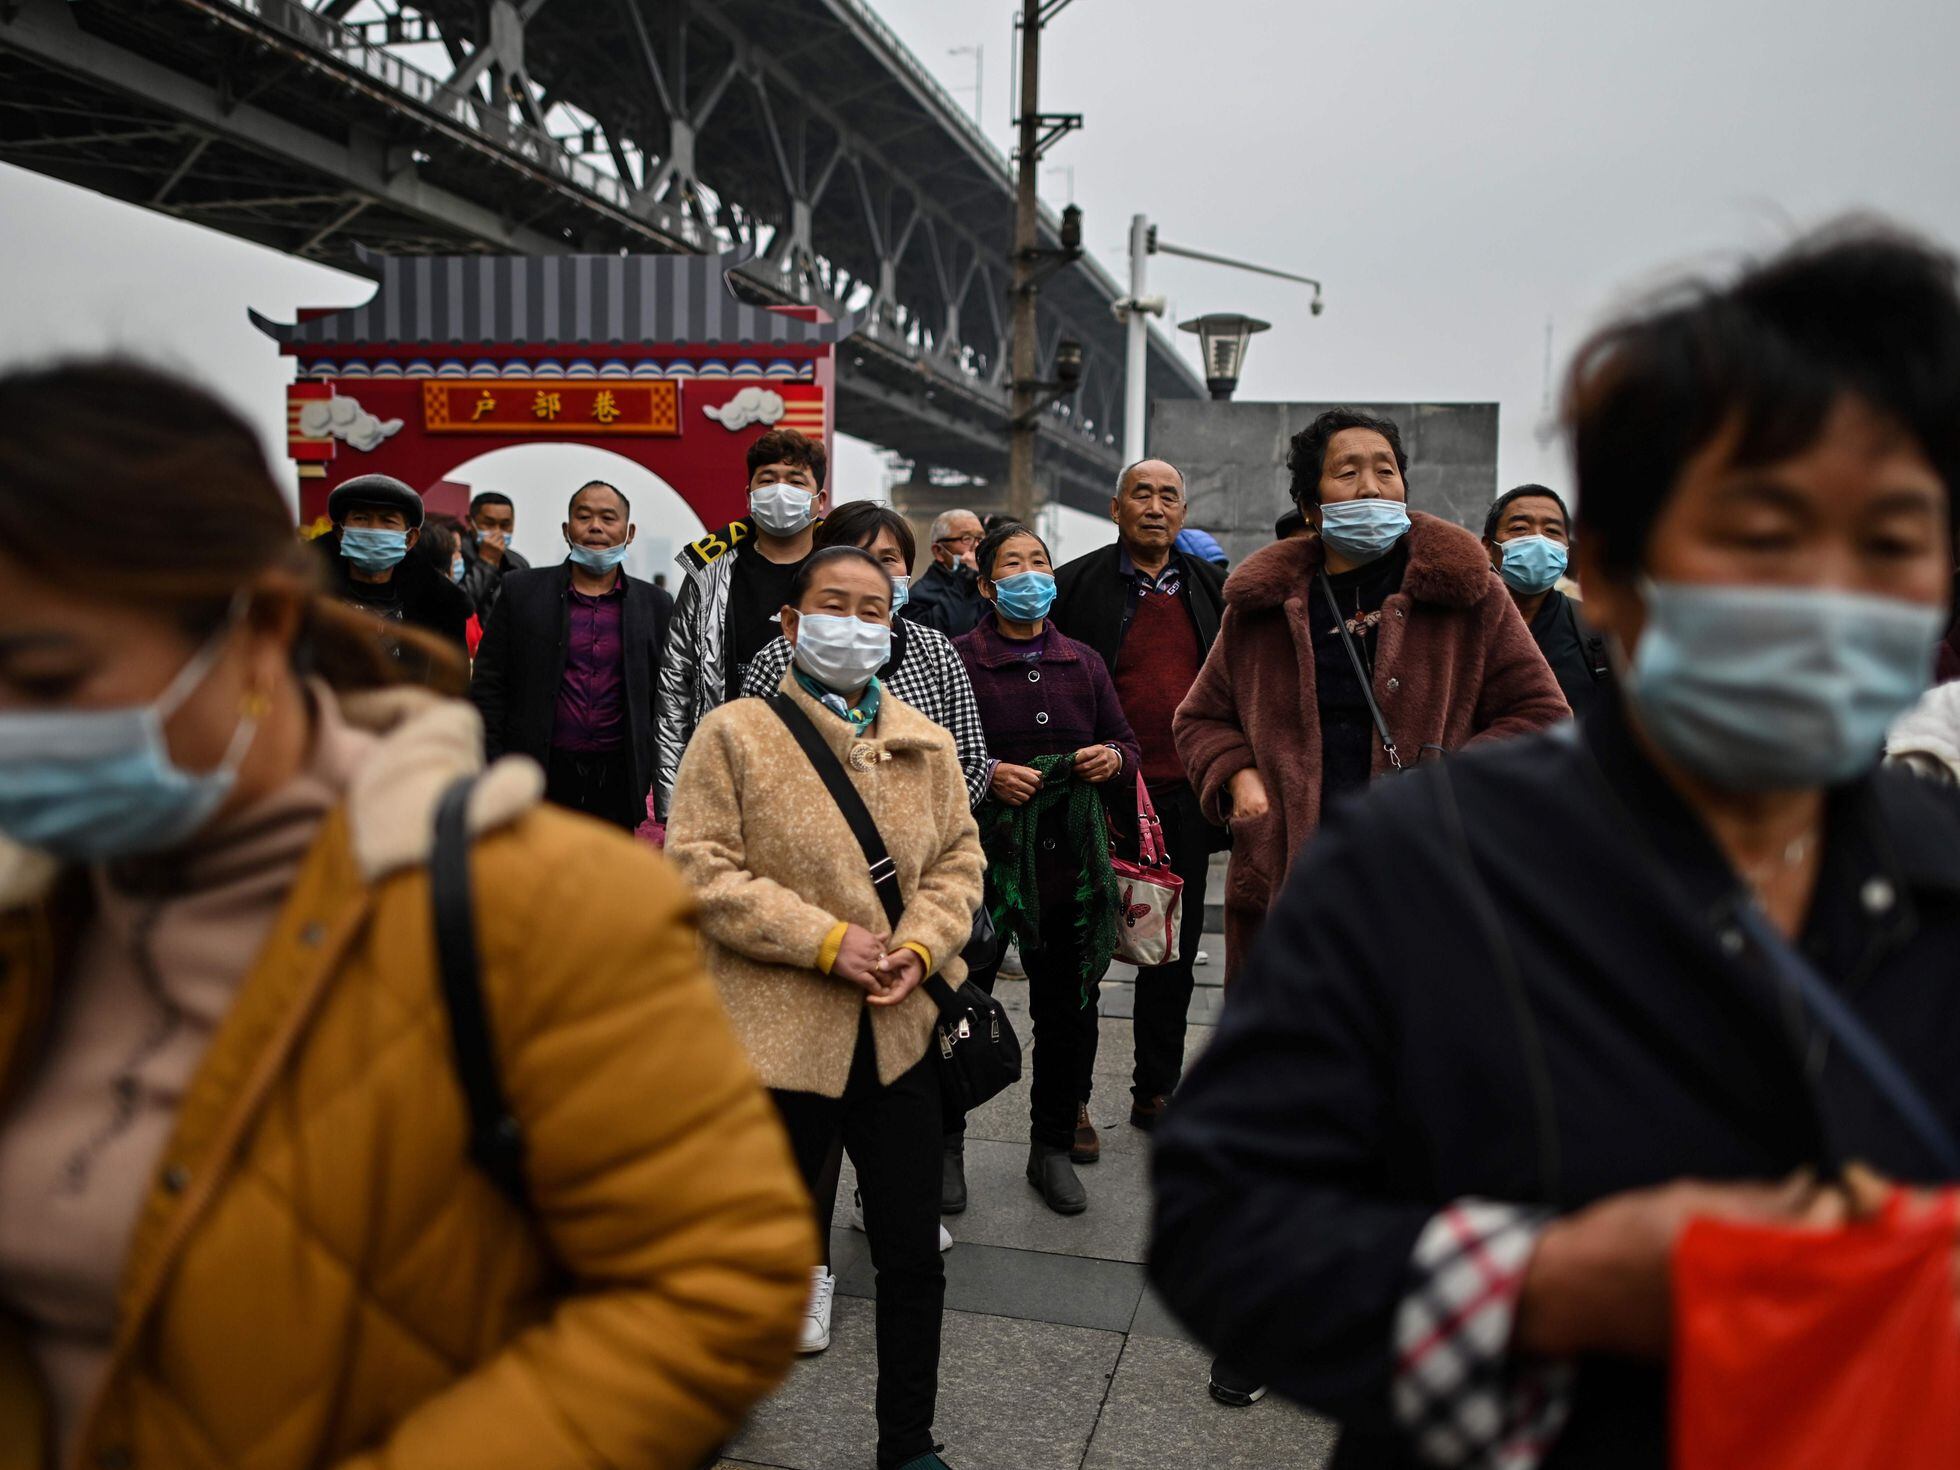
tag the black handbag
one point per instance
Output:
(978, 1054)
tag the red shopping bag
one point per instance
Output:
(1818, 1350)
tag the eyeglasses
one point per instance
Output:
(966, 540)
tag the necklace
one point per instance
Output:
(1761, 874)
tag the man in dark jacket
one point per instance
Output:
(1528, 535)
(486, 551)
(376, 520)
(569, 667)
(1152, 611)
(947, 597)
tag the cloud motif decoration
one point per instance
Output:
(342, 417)
(750, 406)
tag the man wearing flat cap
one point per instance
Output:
(376, 519)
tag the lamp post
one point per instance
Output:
(1222, 338)
(1136, 307)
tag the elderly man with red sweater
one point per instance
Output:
(1152, 611)
(1383, 613)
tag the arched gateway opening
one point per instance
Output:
(649, 358)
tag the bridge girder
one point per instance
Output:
(800, 126)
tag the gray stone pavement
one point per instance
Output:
(1056, 1354)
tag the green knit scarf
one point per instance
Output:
(1013, 894)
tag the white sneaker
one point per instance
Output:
(857, 1223)
(1203, 957)
(816, 1315)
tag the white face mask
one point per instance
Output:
(782, 510)
(841, 653)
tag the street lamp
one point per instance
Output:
(1222, 337)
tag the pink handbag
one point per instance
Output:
(1150, 896)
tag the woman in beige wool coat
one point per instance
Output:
(823, 993)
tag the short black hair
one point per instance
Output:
(1859, 309)
(823, 557)
(858, 522)
(1290, 523)
(1523, 492)
(489, 497)
(625, 505)
(991, 543)
(1306, 455)
(787, 446)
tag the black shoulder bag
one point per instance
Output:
(496, 1138)
(1361, 673)
(978, 1053)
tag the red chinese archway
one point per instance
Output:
(650, 356)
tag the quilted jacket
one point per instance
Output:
(321, 1278)
(693, 671)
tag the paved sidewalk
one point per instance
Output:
(1056, 1354)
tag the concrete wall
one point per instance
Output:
(1234, 460)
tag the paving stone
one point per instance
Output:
(1159, 1414)
(1154, 1319)
(1004, 1209)
(1013, 1395)
(1033, 1285)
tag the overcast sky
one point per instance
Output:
(1459, 175)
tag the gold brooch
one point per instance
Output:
(864, 757)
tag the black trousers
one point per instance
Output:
(600, 785)
(1163, 998)
(1064, 1024)
(893, 1136)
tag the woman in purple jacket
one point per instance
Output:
(1060, 741)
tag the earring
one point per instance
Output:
(255, 704)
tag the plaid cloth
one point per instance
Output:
(929, 677)
(1459, 1395)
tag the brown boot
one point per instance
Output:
(1087, 1148)
(1147, 1112)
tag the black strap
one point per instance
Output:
(884, 876)
(1361, 673)
(1861, 1045)
(496, 1139)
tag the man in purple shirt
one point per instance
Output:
(569, 666)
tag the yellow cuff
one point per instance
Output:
(832, 942)
(921, 951)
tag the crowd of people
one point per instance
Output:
(290, 831)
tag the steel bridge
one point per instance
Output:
(801, 128)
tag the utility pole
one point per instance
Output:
(1136, 355)
(1032, 265)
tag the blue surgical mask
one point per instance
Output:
(599, 558)
(457, 567)
(901, 592)
(841, 653)
(1025, 597)
(1777, 688)
(1362, 530)
(1532, 564)
(93, 785)
(372, 550)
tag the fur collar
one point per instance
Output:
(426, 742)
(1447, 566)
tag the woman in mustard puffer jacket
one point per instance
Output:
(239, 1223)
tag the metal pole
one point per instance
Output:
(1136, 358)
(1021, 441)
